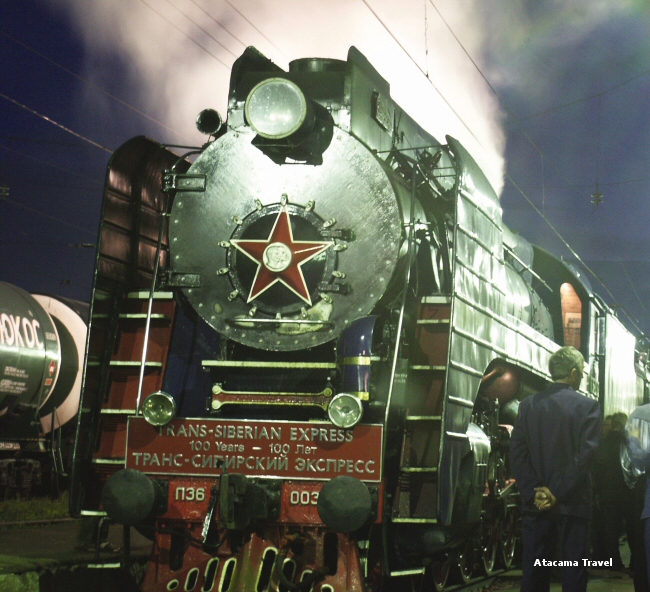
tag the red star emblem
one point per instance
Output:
(280, 258)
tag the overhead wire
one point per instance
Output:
(205, 49)
(46, 215)
(627, 275)
(91, 84)
(276, 47)
(426, 39)
(25, 140)
(50, 244)
(50, 120)
(556, 232)
(587, 185)
(80, 136)
(218, 23)
(70, 131)
(566, 244)
(49, 164)
(383, 24)
(52, 186)
(543, 190)
(43, 212)
(562, 239)
(254, 27)
(189, 18)
(578, 101)
(597, 196)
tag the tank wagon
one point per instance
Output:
(42, 346)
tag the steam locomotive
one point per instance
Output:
(42, 345)
(307, 346)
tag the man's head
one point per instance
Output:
(566, 365)
(618, 421)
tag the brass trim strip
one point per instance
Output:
(217, 390)
(355, 361)
(407, 572)
(323, 406)
(132, 364)
(143, 315)
(419, 469)
(433, 321)
(361, 395)
(241, 364)
(245, 321)
(429, 368)
(424, 418)
(108, 461)
(416, 521)
(145, 295)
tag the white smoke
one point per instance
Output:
(159, 41)
(175, 78)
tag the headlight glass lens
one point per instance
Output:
(345, 410)
(276, 108)
(159, 408)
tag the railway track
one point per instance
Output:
(479, 583)
(44, 522)
(420, 583)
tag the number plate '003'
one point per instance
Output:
(293, 450)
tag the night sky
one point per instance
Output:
(550, 97)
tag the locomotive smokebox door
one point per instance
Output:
(288, 254)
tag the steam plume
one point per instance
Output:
(178, 52)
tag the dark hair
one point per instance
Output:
(619, 420)
(563, 361)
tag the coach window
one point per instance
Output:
(571, 315)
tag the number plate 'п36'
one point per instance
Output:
(279, 449)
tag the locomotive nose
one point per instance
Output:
(129, 497)
(344, 504)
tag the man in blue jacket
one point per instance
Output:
(553, 442)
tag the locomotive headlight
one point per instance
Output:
(276, 108)
(345, 410)
(159, 408)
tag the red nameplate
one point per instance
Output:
(279, 449)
